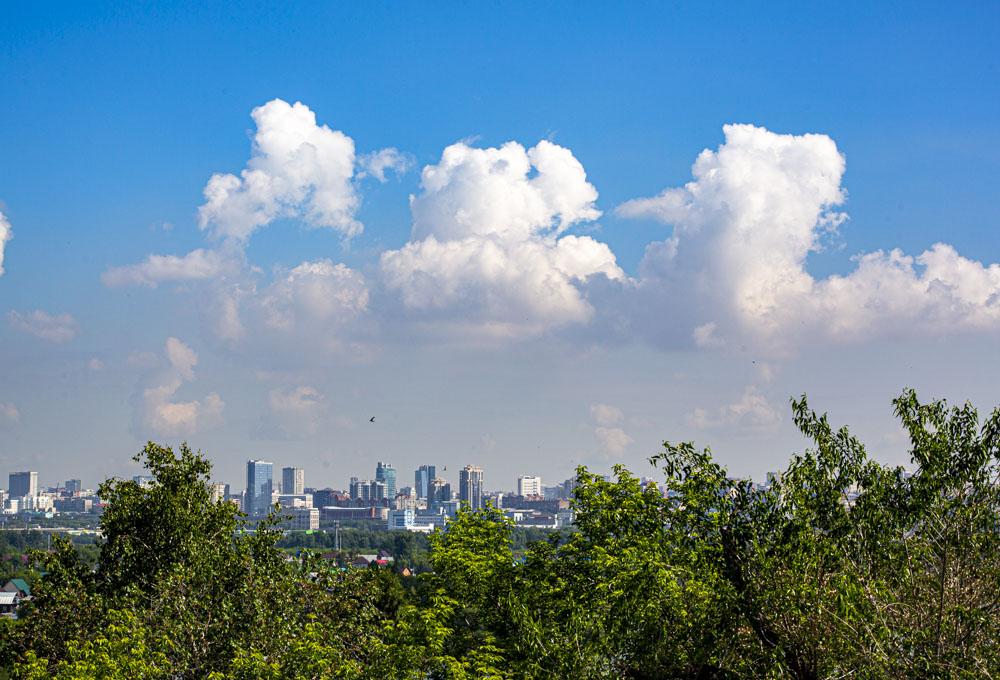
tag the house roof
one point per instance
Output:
(21, 585)
(8, 598)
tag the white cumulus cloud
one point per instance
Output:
(297, 169)
(314, 292)
(604, 414)
(751, 412)
(377, 163)
(56, 328)
(297, 410)
(198, 265)
(6, 234)
(613, 440)
(487, 243)
(744, 227)
(159, 413)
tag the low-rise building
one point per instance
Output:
(9, 603)
(300, 519)
(406, 520)
(367, 512)
(74, 504)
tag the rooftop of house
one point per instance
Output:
(20, 584)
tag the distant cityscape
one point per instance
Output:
(429, 503)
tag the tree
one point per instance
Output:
(841, 567)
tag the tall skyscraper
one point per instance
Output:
(422, 480)
(73, 486)
(470, 487)
(293, 480)
(529, 486)
(260, 486)
(385, 472)
(23, 484)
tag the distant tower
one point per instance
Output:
(438, 492)
(23, 484)
(217, 492)
(73, 486)
(293, 480)
(422, 480)
(385, 472)
(260, 486)
(529, 486)
(470, 487)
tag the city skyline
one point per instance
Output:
(30, 480)
(358, 242)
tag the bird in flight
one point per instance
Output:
(372, 419)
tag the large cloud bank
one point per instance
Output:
(496, 250)
(744, 227)
(488, 251)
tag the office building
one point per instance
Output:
(368, 490)
(260, 486)
(293, 480)
(386, 473)
(438, 492)
(328, 497)
(23, 484)
(293, 500)
(73, 486)
(422, 480)
(569, 487)
(217, 492)
(300, 519)
(406, 520)
(470, 487)
(77, 505)
(529, 486)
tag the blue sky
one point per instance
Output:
(113, 120)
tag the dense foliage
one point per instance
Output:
(842, 567)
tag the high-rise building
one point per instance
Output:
(260, 486)
(529, 486)
(368, 490)
(569, 486)
(217, 492)
(438, 492)
(386, 473)
(23, 484)
(422, 480)
(470, 487)
(73, 486)
(323, 498)
(376, 492)
(293, 480)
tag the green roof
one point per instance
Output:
(21, 585)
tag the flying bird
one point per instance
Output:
(372, 419)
